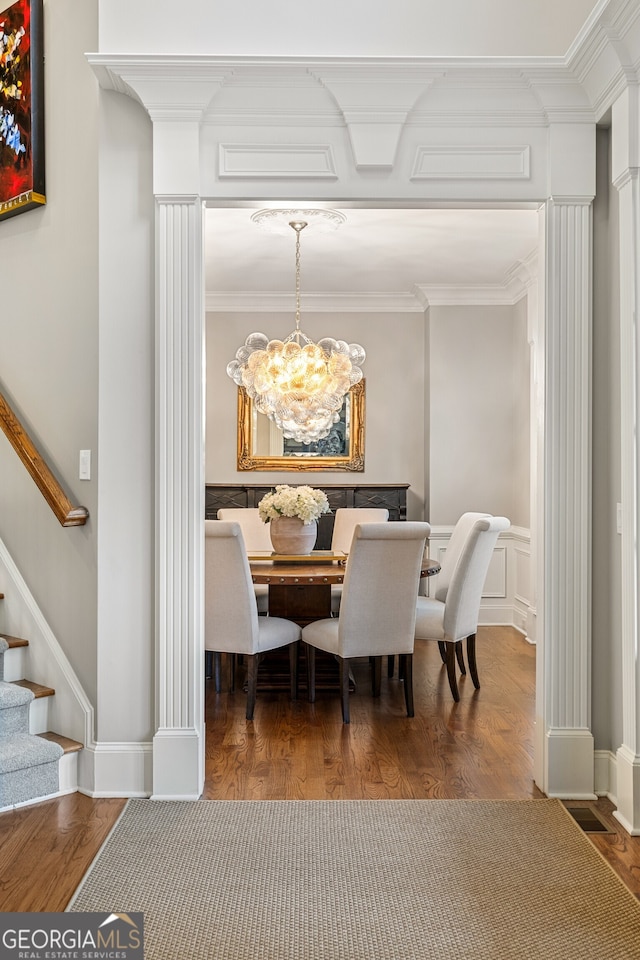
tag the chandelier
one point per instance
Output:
(298, 384)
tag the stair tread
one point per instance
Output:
(37, 689)
(24, 750)
(67, 744)
(14, 641)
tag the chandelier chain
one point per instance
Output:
(298, 226)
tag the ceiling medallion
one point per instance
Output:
(279, 220)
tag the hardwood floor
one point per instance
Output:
(479, 748)
(46, 848)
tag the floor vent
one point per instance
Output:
(589, 820)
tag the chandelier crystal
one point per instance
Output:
(298, 384)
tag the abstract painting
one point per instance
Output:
(21, 108)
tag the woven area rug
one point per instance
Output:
(362, 880)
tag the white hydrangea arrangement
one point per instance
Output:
(304, 502)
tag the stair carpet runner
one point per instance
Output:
(29, 762)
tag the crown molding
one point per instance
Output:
(239, 302)
(605, 56)
(470, 295)
(419, 300)
(371, 95)
(514, 286)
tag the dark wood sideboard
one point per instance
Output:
(393, 496)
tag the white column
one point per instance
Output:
(178, 746)
(566, 536)
(626, 170)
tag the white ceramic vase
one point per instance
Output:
(290, 536)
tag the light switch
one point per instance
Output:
(85, 465)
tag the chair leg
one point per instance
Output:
(443, 650)
(460, 658)
(407, 670)
(311, 672)
(391, 665)
(471, 656)
(293, 668)
(208, 664)
(217, 670)
(376, 675)
(252, 686)
(232, 672)
(451, 668)
(344, 688)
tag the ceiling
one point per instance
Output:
(374, 252)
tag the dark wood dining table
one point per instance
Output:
(300, 587)
(300, 590)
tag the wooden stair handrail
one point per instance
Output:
(67, 514)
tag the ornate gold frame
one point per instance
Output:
(353, 462)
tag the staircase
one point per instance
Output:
(34, 762)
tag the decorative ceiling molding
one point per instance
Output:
(423, 295)
(605, 56)
(476, 119)
(232, 302)
(375, 105)
(522, 274)
(169, 88)
(275, 161)
(278, 220)
(376, 97)
(471, 161)
(271, 117)
(468, 295)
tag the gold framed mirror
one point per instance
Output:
(262, 446)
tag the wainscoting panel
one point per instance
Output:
(506, 598)
(275, 161)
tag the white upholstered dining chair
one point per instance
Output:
(232, 624)
(256, 540)
(450, 559)
(454, 618)
(344, 524)
(378, 609)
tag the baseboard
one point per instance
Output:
(116, 770)
(68, 773)
(606, 774)
(497, 615)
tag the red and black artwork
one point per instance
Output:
(21, 108)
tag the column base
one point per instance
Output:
(628, 790)
(178, 764)
(570, 764)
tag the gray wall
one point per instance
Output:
(479, 415)
(49, 337)
(126, 421)
(606, 610)
(473, 432)
(394, 374)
